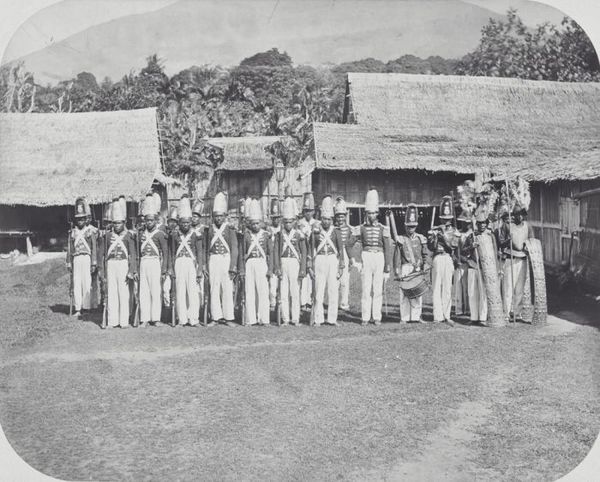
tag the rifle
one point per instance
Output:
(136, 297)
(278, 300)
(70, 261)
(105, 285)
(313, 294)
(242, 280)
(173, 301)
(205, 279)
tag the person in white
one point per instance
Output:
(305, 225)
(341, 223)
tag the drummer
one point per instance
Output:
(409, 257)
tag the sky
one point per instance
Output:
(67, 17)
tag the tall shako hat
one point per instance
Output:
(80, 208)
(275, 209)
(340, 206)
(198, 207)
(308, 201)
(372, 201)
(446, 208)
(123, 204)
(185, 208)
(148, 208)
(157, 202)
(290, 209)
(117, 212)
(411, 217)
(242, 207)
(254, 212)
(220, 203)
(173, 214)
(327, 207)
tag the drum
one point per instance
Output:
(537, 278)
(487, 253)
(415, 284)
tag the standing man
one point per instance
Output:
(95, 290)
(341, 223)
(187, 262)
(305, 225)
(154, 255)
(257, 266)
(120, 259)
(327, 264)
(375, 267)
(82, 262)
(515, 266)
(443, 242)
(274, 229)
(222, 262)
(290, 252)
(409, 257)
(459, 280)
(170, 228)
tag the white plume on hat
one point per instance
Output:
(220, 203)
(253, 211)
(185, 208)
(148, 207)
(290, 209)
(340, 206)
(117, 211)
(327, 207)
(123, 204)
(372, 201)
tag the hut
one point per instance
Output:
(245, 166)
(414, 137)
(47, 160)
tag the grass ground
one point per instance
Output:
(404, 402)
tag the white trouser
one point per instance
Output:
(326, 268)
(82, 281)
(372, 282)
(221, 287)
(290, 268)
(477, 296)
(514, 304)
(166, 291)
(460, 291)
(117, 308)
(95, 292)
(257, 292)
(273, 286)
(345, 284)
(306, 296)
(186, 291)
(442, 271)
(150, 289)
(410, 309)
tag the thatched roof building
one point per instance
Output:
(50, 159)
(506, 124)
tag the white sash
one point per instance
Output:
(79, 235)
(115, 243)
(184, 244)
(288, 243)
(256, 244)
(327, 240)
(218, 235)
(150, 241)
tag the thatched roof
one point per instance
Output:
(244, 153)
(458, 119)
(50, 159)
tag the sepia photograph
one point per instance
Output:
(299, 240)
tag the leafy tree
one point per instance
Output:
(509, 49)
(270, 58)
(17, 88)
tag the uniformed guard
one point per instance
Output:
(172, 220)
(273, 229)
(305, 225)
(515, 263)
(376, 263)
(327, 264)
(222, 262)
(443, 242)
(82, 259)
(187, 264)
(410, 257)
(257, 266)
(290, 254)
(478, 303)
(171, 227)
(120, 259)
(123, 205)
(341, 222)
(460, 291)
(154, 260)
(95, 289)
